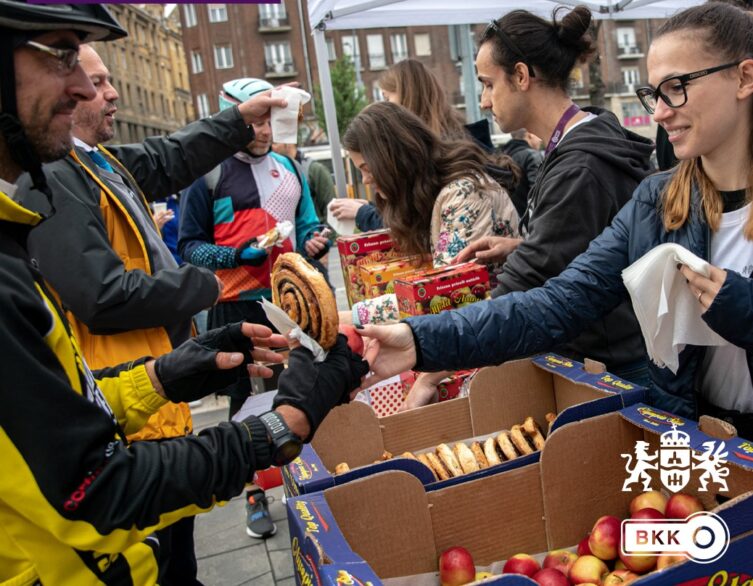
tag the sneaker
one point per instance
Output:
(258, 521)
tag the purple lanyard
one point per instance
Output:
(560, 128)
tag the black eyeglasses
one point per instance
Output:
(68, 58)
(505, 38)
(672, 90)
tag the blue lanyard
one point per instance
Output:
(560, 128)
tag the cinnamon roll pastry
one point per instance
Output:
(301, 292)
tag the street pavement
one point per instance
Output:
(226, 555)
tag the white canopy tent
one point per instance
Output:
(357, 14)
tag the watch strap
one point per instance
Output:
(261, 443)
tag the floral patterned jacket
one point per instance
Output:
(462, 213)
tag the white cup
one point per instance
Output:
(285, 120)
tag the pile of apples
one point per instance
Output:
(598, 560)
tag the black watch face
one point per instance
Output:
(288, 451)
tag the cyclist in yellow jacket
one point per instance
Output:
(78, 505)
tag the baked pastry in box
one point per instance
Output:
(448, 287)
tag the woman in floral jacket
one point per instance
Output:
(435, 195)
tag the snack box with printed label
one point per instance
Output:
(359, 250)
(448, 388)
(379, 278)
(392, 527)
(440, 289)
(545, 388)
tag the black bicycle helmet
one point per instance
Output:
(20, 21)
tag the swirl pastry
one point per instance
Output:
(301, 291)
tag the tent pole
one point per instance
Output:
(330, 115)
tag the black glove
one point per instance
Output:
(190, 371)
(317, 387)
(249, 253)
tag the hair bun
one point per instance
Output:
(573, 26)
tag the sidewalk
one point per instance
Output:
(226, 555)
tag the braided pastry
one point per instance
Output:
(302, 292)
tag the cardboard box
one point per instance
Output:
(499, 397)
(389, 525)
(379, 278)
(440, 289)
(362, 249)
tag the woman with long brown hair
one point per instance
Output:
(435, 195)
(412, 85)
(700, 67)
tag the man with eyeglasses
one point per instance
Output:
(125, 294)
(81, 504)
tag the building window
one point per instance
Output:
(217, 12)
(631, 77)
(331, 54)
(375, 46)
(272, 15)
(202, 105)
(422, 43)
(576, 78)
(626, 37)
(399, 46)
(197, 63)
(352, 50)
(223, 56)
(278, 57)
(189, 15)
(376, 92)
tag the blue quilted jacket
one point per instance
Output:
(522, 323)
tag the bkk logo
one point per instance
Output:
(703, 536)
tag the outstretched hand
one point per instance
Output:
(390, 350)
(214, 361)
(490, 249)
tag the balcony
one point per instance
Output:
(274, 24)
(621, 89)
(629, 52)
(280, 69)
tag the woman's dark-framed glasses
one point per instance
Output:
(512, 47)
(672, 90)
(68, 58)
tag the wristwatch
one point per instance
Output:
(286, 446)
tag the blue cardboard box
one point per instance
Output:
(499, 397)
(389, 526)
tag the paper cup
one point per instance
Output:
(285, 120)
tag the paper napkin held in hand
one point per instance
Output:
(667, 311)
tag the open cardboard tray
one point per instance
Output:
(499, 397)
(388, 525)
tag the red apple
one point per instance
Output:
(681, 505)
(560, 559)
(604, 540)
(583, 548)
(456, 567)
(355, 342)
(651, 499)
(588, 568)
(521, 563)
(647, 514)
(639, 563)
(550, 577)
(619, 577)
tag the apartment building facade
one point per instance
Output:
(149, 72)
(272, 41)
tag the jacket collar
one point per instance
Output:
(12, 211)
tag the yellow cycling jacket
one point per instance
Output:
(77, 503)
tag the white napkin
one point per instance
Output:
(667, 311)
(288, 328)
(285, 120)
(342, 227)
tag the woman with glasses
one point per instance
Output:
(700, 68)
